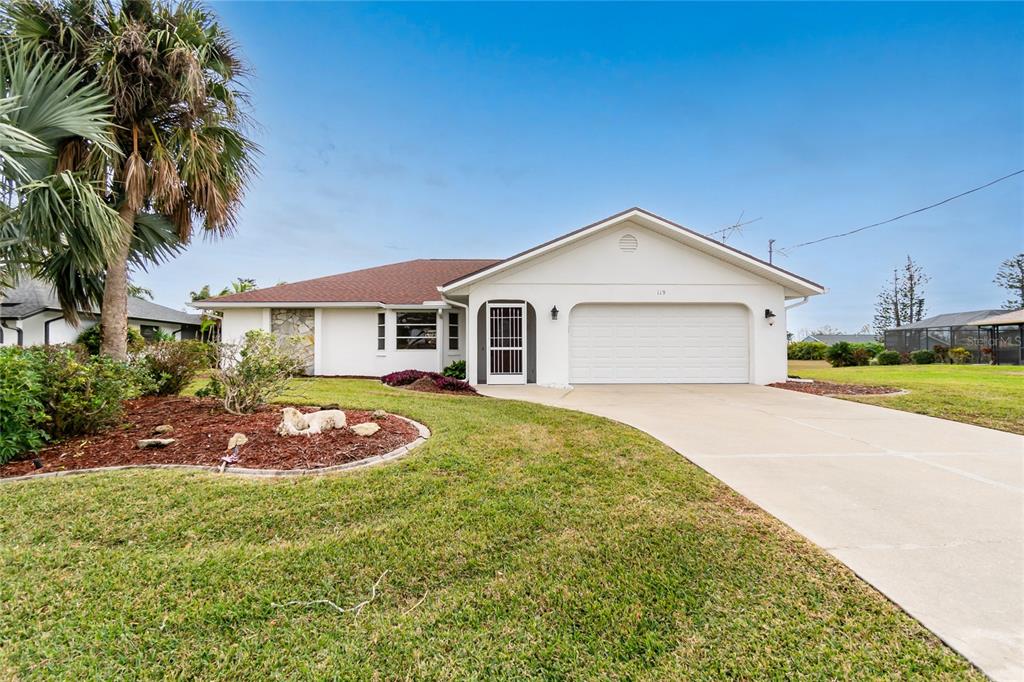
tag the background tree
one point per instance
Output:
(173, 79)
(902, 301)
(239, 285)
(1010, 276)
(136, 291)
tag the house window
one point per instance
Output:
(380, 331)
(149, 331)
(453, 331)
(416, 331)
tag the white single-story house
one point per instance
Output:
(30, 316)
(633, 298)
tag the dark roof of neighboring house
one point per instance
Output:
(829, 339)
(969, 317)
(408, 282)
(32, 296)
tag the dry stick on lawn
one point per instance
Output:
(357, 609)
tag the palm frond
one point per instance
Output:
(51, 103)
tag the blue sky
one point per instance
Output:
(396, 131)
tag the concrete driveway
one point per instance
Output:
(929, 511)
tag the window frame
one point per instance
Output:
(382, 331)
(453, 326)
(400, 338)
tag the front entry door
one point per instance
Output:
(506, 343)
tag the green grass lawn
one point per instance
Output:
(520, 542)
(986, 395)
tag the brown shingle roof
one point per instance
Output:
(409, 282)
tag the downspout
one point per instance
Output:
(465, 316)
(46, 329)
(19, 330)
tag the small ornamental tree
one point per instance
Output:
(251, 374)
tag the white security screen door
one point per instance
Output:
(506, 343)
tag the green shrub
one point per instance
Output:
(91, 339)
(872, 348)
(888, 357)
(172, 365)
(960, 356)
(79, 393)
(456, 370)
(840, 355)
(922, 357)
(861, 356)
(254, 372)
(941, 352)
(22, 416)
(806, 350)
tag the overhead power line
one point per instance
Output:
(902, 215)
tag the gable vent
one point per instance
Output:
(627, 243)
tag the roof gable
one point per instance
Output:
(793, 283)
(626, 254)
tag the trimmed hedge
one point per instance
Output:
(922, 357)
(888, 357)
(806, 350)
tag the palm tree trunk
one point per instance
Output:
(114, 314)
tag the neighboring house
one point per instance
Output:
(829, 339)
(633, 298)
(951, 330)
(30, 315)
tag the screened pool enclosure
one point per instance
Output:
(989, 335)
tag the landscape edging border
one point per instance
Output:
(401, 451)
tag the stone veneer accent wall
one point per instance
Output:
(296, 322)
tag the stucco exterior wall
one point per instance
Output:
(659, 270)
(345, 340)
(235, 323)
(349, 345)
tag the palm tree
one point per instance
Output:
(53, 223)
(172, 75)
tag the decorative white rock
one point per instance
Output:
(237, 441)
(365, 429)
(163, 428)
(294, 423)
(154, 443)
(379, 414)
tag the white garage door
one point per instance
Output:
(658, 344)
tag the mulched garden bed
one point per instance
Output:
(201, 431)
(427, 385)
(829, 388)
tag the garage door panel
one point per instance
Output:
(653, 343)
